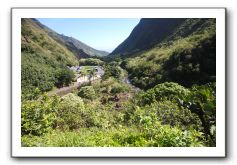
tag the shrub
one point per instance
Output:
(38, 117)
(112, 70)
(70, 112)
(87, 92)
(171, 114)
(166, 112)
(64, 77)
(175, 137)
(34, 77)
(119, 88)
(164, 91)
(202, 101)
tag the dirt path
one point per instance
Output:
(64, 90)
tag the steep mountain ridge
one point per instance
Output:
(147, 33)
(41, 58)
(150, 32)
(80, 49)
(46, 54)
(187, 56)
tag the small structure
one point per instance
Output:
(99, 72)
(83, 79)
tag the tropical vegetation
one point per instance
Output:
(162, 94)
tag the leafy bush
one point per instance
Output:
(73, 114)
(87, 92)
(38, 117)
(70, 112)
(171, 114)
(174, 137)
(35, 94)
(64, 77)
(112, 70)
(202, 101)
(166, 112)
(119, 88)
(34, 77)
(164, 91)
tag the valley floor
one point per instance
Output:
(112, 113)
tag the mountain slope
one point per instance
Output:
(80, 49)
(187, 56)
(147, 33)
(46, 54)
(41, 58)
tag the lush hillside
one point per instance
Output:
(46, 54)
(42, 58)
(187, 56)
(147, 33)
(80, 49)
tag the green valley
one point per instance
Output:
(156, 89)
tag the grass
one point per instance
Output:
(164, 136)
(87, 70)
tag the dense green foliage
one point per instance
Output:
(148, 33)
(87, 92)
(113, 70)
(164, 96)
(43, 60)
(117, 119)
(38, 117)
(90, 62)
(157, 136)
(64, 77)
(70, 111)
(184, 60)
(167, 91)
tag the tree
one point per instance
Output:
(92, 74)
(64, 77)
(202, 101)
(70, 112)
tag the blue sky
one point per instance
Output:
(100, 33)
